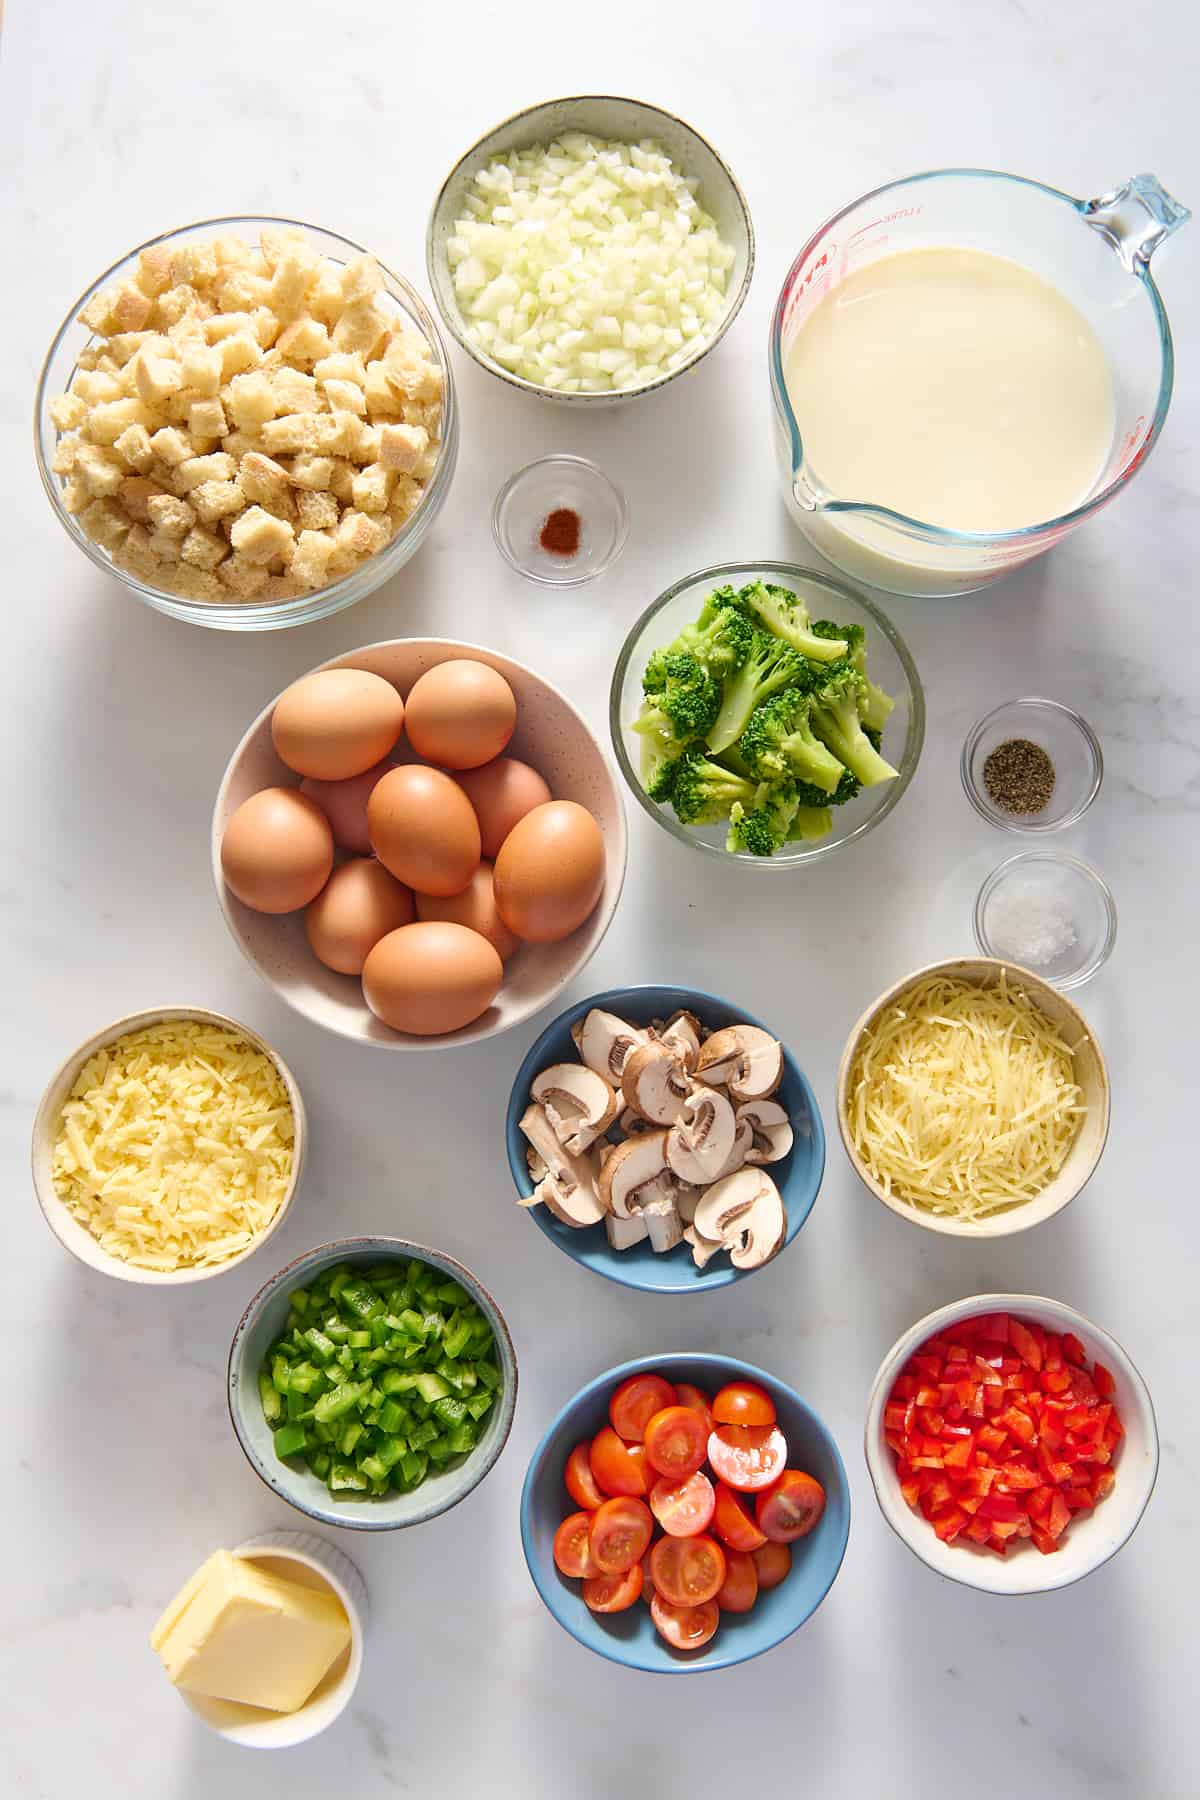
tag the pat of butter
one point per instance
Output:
(239, 1632)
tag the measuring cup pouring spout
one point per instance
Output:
(1102, 272)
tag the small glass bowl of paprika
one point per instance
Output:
(560, 521)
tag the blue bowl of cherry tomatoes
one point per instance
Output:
(684, 1513)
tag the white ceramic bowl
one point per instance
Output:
(550, 735)
(622, 120)
(297, 1556)
(63, 1223)
(1091, 1073)
(1091, 1538)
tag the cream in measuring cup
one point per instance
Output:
(954, 386)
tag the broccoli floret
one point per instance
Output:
(770, 667)
(779, 743)
(848, 788)
(785, 615)
(703, 793)
(762, 829)
(682, 699)
(810, 822)
(875, 708)
(659, 779)
(721, 638)
(835, 719)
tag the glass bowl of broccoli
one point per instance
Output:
(767, 712)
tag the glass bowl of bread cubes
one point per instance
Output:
(250, 421)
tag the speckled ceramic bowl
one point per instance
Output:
(260, 1325)
(550, 735)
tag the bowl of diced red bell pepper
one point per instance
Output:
(1011, 1442)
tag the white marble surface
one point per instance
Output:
(117, 121)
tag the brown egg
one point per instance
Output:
(460, 714)
(431, 977)
(424, 830)
(344, 804)
(550, 872)
(336, 723)
(359, 904)
(502, 792)
(277, 850)
(475, 908)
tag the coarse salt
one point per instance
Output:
(1030, 925)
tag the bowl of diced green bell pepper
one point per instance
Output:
(372, 1383)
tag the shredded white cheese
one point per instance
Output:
(174, 1147)
(963, 1098)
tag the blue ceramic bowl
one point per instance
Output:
(629, 1638)
(797, 1175)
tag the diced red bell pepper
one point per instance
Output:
(990, 1377)
(1056, 1381)
(929, 1366)
(979, 1530)
(1000, 1506)
(1044, 1542)
(959, 1454)
(1079, 1499)
(1005, 1528)
(927, 1462)
(949, 1523)
(1105, 1385)
(911, 1489)
(1020, 1479)
(1052, 1356)
(1059, 1517)
(991, 1438)
(1073, 1350)
(893, 1416)
(1017, 1421)
(1039, 1502)
(1102, 1485)
(927, 1394)
(1025, 1343)
(991, 1327)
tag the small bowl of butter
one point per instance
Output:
(264, 1643)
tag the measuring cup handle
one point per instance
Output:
(1135, 218)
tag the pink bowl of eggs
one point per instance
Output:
(418, 844)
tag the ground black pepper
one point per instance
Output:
(1019, 776)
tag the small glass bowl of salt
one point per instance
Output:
(1049, 912)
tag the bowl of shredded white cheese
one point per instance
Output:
(589, 249)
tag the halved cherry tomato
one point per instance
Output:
(733, 1523)
(683, 1508)
(571, 1553)
(743, 1403)
(647, 1580)
(613, 1593)
(739, 1590)
(697, 1399)
(684, 1627)
(619, 1534)
(773, 1563)
(675, 1442)
(579, 1480)
(635, 1403)
(791, 1508)
(748, 1457)
(687, 1571)
(614, 1465)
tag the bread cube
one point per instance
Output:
(123, 346)
(76, 495)
(100, 471)
(316, 511)
(341, 365)
(176, 304)
(165, 548)
(345, 396)
(341, 480)
(136, 553)
(67, 411)
(262, 479)
(169, 515)
(296, 431)
(304, 340)
(242, 577)
(382, 400)
(362, 327)
(294, 391)
(134, 448)
(158, 377)
(65, 452)
(290, 281)
(314, 472)
(371, 488)
(194, 264)
(203, 549)
(94, 387)
(359, 535)
(405, 499)
(311, 560)
(266, 326)
(220, 466)
(97, 315)
(250, 400)
(135, 494)
(104, 523)
(215, 500)
(194, 584)
(200, 366)
(325, 298)
(105, 423)
(206, 418)
(171, 446)
(239, 352)
(402, 447)
(259, 535)
(337, 434)
(221, 325)
(154, 270)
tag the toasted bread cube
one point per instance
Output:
(231, 252)
(76, 495)
(371, 488)
(65, 452)
(405, 499)
(206, 418)
(360, 535)
(171, 446)
(131, 309)
(250, 400)
(402, 447)
(135, 494)
(124, 345)
(345, 396)
(266, 326)
(341, 480)
(104, 523)
(220, 466)
(194, 264)
(311, 560)
(342, 365)
(261, 479)
(325, 301)
(408, 366)
(241, 443)
(176, 304)
(259, 535)
(274, 240)
(294, 391)
(241, 577)
(314, 472)
(370, 442)
(194, 584)
(281, 587)
(227, 324)
(304, 341)
(337, 434)
(201, 369)
(165, 548)
(362, 327)
(203, 549)
(134, 448)
(383, 402)
(95, 388)
(215, 500)
(239, 352)
(316, 511)
(158, 377)
(137, 554)
(67, 411)
(98, 469)
(361, 278)
(97, 315)
(241, 290)
(291, 279)
(295, 431)
(154, 270)
(169, 515)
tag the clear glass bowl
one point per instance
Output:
(540, 488)
(1068, 741)
(1070, 895)
(59, 370)
(889, 662)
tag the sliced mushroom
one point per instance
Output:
(742, 1144)
(743, 1058)
(655, 1083)
(605, 1042)
(570, 1186)
(745, 1213)
(682, 1033)
(631, 1167)
(624, 1233)
(535, 1165)
(579, 1104)
(687, 1199)
(703, 1249)
(631, 1123)
(663, 1224)
(701, 1139)
(771, 1128)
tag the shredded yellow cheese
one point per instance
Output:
(963, 1098)
(174, 1146)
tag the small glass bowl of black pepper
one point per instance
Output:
(560, 521)
(1032, 767)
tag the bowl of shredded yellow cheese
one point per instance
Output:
(168, 1146)
(973, 1098)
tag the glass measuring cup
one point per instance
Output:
(1095, 252)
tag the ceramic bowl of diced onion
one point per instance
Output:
(551, 270)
